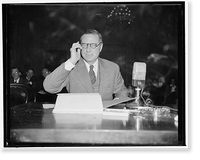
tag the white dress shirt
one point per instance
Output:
(16, 80)
(69, 65)
(95, 69)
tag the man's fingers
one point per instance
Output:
(75, 52)
(76, 45)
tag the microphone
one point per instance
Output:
(139, 74)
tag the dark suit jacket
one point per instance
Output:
(78, 81)
(21, 80)
(34, 83)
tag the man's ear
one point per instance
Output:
(101, 47)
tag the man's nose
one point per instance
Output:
(88, 47)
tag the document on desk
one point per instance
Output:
(78, 103)
(110, 103)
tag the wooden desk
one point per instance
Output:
(31, 123)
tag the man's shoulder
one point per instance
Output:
(23, 79)
(108, 62)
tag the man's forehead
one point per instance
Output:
(90, 37)
(44, 70)
(15, 70)
(30, 71)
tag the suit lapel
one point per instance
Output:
(83, 76)
(103, 73)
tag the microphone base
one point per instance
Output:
(137, 102)
(133, 104)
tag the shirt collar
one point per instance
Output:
(17, 80)
(95, 66)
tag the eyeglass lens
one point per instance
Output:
(92, 45)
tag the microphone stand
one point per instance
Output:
(137, 101)
(138, 81)
(137, 97)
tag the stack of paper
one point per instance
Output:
(85, 103)
(88, 103)
(120, 114)
(116, 112)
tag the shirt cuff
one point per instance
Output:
(69, 65)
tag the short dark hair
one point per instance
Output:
(14, 68)
(94, 32)
(30, 69)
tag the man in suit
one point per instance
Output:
(33, 81)
(77, 75)
(16, 76)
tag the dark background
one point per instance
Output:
(40, 35)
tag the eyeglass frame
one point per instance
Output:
(90, 44)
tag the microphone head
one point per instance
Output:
(139, 74)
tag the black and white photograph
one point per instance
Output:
(94, 74)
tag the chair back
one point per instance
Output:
(21, 93)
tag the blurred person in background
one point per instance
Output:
(32, 79)
(171, 93)
(44, 73)
(42, 95)
(16, 77)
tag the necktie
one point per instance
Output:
(92, 74)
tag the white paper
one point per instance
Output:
(116, 112)
(78, 103)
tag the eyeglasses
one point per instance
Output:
(92, 45)
(15, 72)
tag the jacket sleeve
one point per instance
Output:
(120, 89)
(57, 80)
